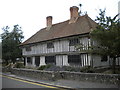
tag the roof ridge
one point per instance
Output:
(62, 29)
(60, 22)
(66, 20)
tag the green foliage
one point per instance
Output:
(48, 65)
(4, 64)
(107, 35)
(68, 68)
(87, 69)
(44, 67)
(110, 71)
(10, 43)
(19, 65)
(105, 39)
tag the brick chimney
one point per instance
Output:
(49, 21)
(73, 14)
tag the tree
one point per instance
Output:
(10, 43)
(81, 12)
(107, 36)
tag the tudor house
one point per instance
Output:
(56, 43)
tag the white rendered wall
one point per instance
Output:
(42, 60)
(85, 59)
(59, 46)
(59, 60)
(33, 61)
(97, 61)
(26, 61)
(62, 60)
(65, 60)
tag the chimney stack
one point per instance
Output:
(73, 14)
(49, 21)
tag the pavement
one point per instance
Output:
(70, 83)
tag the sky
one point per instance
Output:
(31, 14)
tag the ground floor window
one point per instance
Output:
(75, 59)
(29, 60)
(104, 58)
(50, 59)
(37, 60)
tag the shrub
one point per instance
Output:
(87, 69)
(44, 67)
(29, 67)
(48, 65)
(91, 70)
(68, 68)
(4, 64)
(19, 65)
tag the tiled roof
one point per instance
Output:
(83, 25)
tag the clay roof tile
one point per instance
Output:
(81, 26)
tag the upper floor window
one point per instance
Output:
(74, 41)
(50, 45)
(28, 48)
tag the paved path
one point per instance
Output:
(71, 83)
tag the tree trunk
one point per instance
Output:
(114, 64)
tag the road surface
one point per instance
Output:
(11, 82)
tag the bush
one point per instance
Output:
(91, 70)
(68, 68)
(48, 65)
(44, 67)
(4, 65)
(19, 65)
(87, 69)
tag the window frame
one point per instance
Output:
(104, 58)
(50, 60)
(28, 48)
(74, 41)
(76, 59)
(29, 60)
(50, 45)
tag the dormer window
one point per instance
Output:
(74, 41)
(28, 48)
(50, 45)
